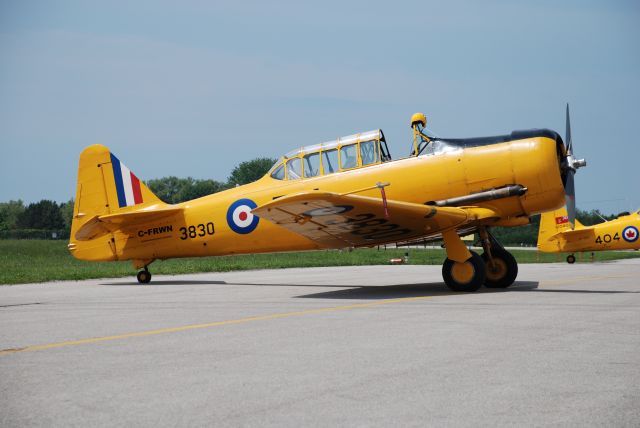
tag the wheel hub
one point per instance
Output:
(462, 272)
(496, 269)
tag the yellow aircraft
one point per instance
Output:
(343, 193)
(556, 234)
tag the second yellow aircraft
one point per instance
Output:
(556, 234)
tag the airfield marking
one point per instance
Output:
(209, 325)
(261, 318)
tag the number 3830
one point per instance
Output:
(197, 230)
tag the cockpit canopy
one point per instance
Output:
(344, 154)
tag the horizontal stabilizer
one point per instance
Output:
(573, 235)
(100, 225)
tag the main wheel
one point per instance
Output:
(465, 276)
(503, 271)
(571, 259)
(144, 277)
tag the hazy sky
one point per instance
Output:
(194, 88)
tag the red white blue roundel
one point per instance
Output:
(240, 218)
(630, 234)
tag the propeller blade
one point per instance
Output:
(568, 134)
(570, 198)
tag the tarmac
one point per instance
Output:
(344, 346)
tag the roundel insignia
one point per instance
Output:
(630, 234)
(240, 218)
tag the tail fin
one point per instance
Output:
(105, 186)
(551, 224)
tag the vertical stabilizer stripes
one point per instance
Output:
(127, 184)
(135, 185)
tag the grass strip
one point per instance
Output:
(28, 261)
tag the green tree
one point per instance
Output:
(45, 214)
(526, 235)
(589, 218)
(66, 209)
(200, 188)
(167, 188)
(9, 213)
(173, 190)
(250, 171)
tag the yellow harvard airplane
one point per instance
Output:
(556, 234)
(343, 193)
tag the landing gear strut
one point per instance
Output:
(144, 276)
(501, 266)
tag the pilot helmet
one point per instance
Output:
(419, 118)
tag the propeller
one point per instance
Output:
(570, 165)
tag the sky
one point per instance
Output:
(193, 88)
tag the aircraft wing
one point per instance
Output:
(337, 220)
(102, 224)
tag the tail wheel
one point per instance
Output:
(466, 276)
(144, 277)
(571, 259)
(502, 271)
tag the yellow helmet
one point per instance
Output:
(419, 118)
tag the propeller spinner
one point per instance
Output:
(569, 166)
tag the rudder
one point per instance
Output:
(105, 186)
(551, 224)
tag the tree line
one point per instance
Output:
(174, 190)
(47, 219)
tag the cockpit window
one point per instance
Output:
(293, 168)
(312, 165)
(345, 153)
(330, 161)
(348, 157)
(368, 152)
(437, 147)
(278, 173)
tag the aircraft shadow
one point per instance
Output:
(436, 289)
(410, 290)
(379, 292)
(153, 283)
(556, 290)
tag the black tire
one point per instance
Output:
(454, 274)
(503, 272)
(571, 259)
(144, 277)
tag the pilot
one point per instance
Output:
(418, 124)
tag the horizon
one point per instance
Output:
(192, 90)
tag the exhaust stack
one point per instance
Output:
(487, 195)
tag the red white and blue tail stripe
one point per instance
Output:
(127, 184)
